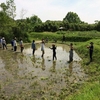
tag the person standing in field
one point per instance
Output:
(12, 44)
(71, 53)
(15, 44)
(42, 47)
(91, 51)
(54, 51)
(33, 47)
(0, 42)
(21, 45)
(4, 43)
(63, 38)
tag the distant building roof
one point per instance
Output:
(60, 28)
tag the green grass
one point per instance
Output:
(72, 36)
(89, 91)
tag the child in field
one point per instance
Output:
(54, 51)
(42, 47)
(91, 50)
(71, 53)
(15, 44)
(21, 45)
(33, 47)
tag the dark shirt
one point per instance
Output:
(33, 45)
(91, 48)
(54, 49)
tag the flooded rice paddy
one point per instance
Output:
(31, 77)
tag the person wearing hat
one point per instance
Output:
(4, 43)
(91, 51)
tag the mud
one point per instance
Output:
(23, 73)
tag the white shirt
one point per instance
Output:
(15, 43)
(42, 46)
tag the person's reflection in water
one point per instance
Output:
(15, 57)
(53, 66)
(21, 58)
(13, 68)
(63, 47)
(70, 67)
(34, 60)
(43, 64)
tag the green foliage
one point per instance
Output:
(8, 36)
(51, 36)
(72, 17)
(98, 26)
(3, 7)
(61, 32)
(10, 28)
(11, 8)
(77, 39)
(70, 36)
(82, 49)
(53, 27)
(90, 91)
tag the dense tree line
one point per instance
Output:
(9, 27)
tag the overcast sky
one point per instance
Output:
(87, 10)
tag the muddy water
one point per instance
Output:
(25, 73)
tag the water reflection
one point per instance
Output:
(26, 69)
(70, 67)
(54, 65)
(63, 47)
(14, 56)
(10, 60)
(62, 52)
(43, 64)
(34, 59)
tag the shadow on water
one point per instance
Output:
(23, 72)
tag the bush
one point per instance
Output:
(61, 32)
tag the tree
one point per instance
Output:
(98, 26)
(22, 13)
(5, 20)
(72, 17)
(11, 8)
(9, 27)
(35, 20)
(3, 7)
(50, 26)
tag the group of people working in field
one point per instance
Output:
(14, 44)
(54, 50)
(3, 45)
(43, 48)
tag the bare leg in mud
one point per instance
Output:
(42, 53)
